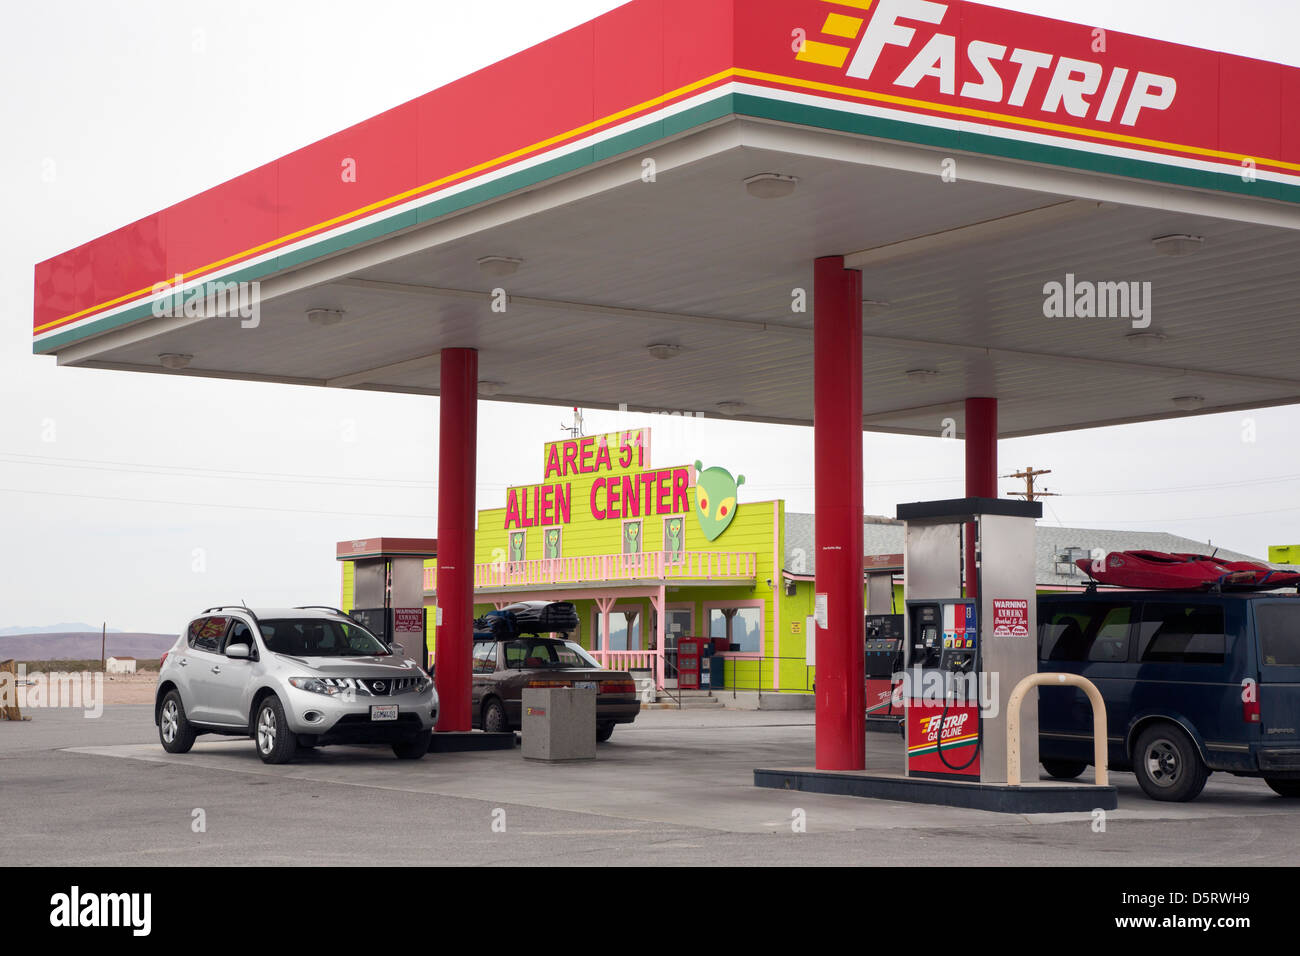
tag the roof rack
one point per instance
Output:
(233, 607)
(320, 607)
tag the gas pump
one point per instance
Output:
(943, 704)
(966, 651)
(884, 662)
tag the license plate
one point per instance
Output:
(585, 685)
(383, 712)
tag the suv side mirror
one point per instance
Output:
(239, 652)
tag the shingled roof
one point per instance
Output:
(885, 536)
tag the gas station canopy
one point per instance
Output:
(965, 158)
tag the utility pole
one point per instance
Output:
(103, 644)
(1028, 476)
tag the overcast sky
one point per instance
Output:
(139, 499)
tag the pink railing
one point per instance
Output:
(627, 660)
(603, 568)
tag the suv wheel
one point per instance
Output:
(415, 748)
(494, 718)
(275, 742)
(1064, 769)
(1284, 788)
(174, 729)
(1167, 764)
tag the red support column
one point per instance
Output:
(457, 446)
(981, 468)
(837, 460)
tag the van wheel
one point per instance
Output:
(175, 732)
(1064, 769)
(1167, 764)
(604, 731)
(275, 742)
(1284, 788)
(494, 717)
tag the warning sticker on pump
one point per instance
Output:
(1010, 618)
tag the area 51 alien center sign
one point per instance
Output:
(596, 481)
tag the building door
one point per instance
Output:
(678, 622)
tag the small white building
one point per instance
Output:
(119, 665)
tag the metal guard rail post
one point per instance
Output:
(1098, 721)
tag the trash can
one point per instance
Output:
(559, 723)
(717, 672)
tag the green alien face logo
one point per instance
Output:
(715, 499)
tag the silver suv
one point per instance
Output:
(291, 678)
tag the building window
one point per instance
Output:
(740, 625)
(624, 628)
(632, 537)
(552, 543)
(518, 547)
(674, 538)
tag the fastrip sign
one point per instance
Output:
(1058, 84)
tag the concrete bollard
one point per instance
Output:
(559, 723)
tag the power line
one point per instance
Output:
(211, 504)
(180, 471)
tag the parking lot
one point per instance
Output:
(674, 788)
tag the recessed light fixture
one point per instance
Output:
(771, 185)
(324, 317)
(919, 376)
(1177, 245)
(663, 350)
(730, 408)
(487, 389)
(175, 360)
(1147, 339)
(1189, 402)
(873, 307)
(499, 266)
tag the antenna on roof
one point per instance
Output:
(574, 430)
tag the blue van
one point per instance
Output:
(1193, 682)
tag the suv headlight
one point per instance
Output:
(317, 686)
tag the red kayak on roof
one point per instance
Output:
(1161, 570)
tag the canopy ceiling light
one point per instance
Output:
(771, 185)
(730, 408)
(663, 350)
(488, 389)
(499, 266)
(324, 317)
(919, 376)
(1189, 402)
(175, 360)
(1177, 245)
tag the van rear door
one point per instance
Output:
(1277, 628)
